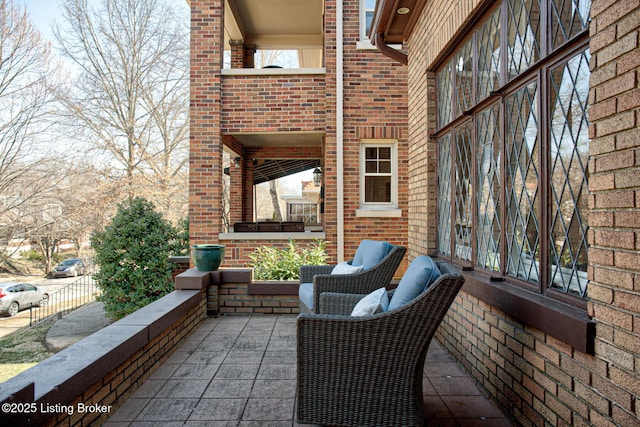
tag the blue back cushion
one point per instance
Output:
(370, 253)
(421, 273)
(305, 294)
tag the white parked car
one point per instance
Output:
(15, 296)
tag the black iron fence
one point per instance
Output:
(65, 300)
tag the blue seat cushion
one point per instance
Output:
(370, 253)
(421, 273)
(305, 294)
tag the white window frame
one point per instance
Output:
(386, 209)
(364, 42)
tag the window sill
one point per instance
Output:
(569, 324)
(379, 213)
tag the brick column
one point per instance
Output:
(247, 191)
(236, 175)
(242, 56)
(248, 60)
(237, 53)
(205, 162)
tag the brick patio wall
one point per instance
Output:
(534, 377)
(120, 356)
(238, 298)
(116, 387)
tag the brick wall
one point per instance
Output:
(282, 103)
(534, 377)
(235, 298)
(205, 152)
(614, 185)
(375, 105)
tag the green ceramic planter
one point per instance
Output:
(207, 257)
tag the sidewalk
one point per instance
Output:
(76, 325)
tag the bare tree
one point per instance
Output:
(130, 98)
(275, 201)
(26, 78)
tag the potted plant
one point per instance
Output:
(207, 257)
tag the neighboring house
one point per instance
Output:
(305, 206)
(344, 110)
(524, 166)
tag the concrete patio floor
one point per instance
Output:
(241, 371)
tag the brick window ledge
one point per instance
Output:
(379, 213)
(568, 324)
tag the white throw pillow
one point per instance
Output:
(346, 268)
(376, 302)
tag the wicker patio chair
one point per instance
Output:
(367, 371)
(363, 282)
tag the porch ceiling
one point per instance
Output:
(268, 169)
(394, 26)
(275, 24)
(307, 139)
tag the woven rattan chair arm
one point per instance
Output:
(338, 303)
(308, 271)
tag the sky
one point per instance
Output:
(42, 13)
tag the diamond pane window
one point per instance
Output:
(464, 77)
(489, 55)
(513, 147)
(523, 35)
(463, 192)
(569, 155)
(489, 190)
(522, 179)
(444, 194)
(568, 18)
(443, 85)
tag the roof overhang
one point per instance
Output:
(393, 20)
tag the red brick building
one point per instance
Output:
(524, 158)
(343, 110)
(508, 144)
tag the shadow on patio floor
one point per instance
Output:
(241, 371)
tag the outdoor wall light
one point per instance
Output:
(236, 161)
(317, 177)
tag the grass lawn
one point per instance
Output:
(23, 349)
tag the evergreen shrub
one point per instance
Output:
(132, 256)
